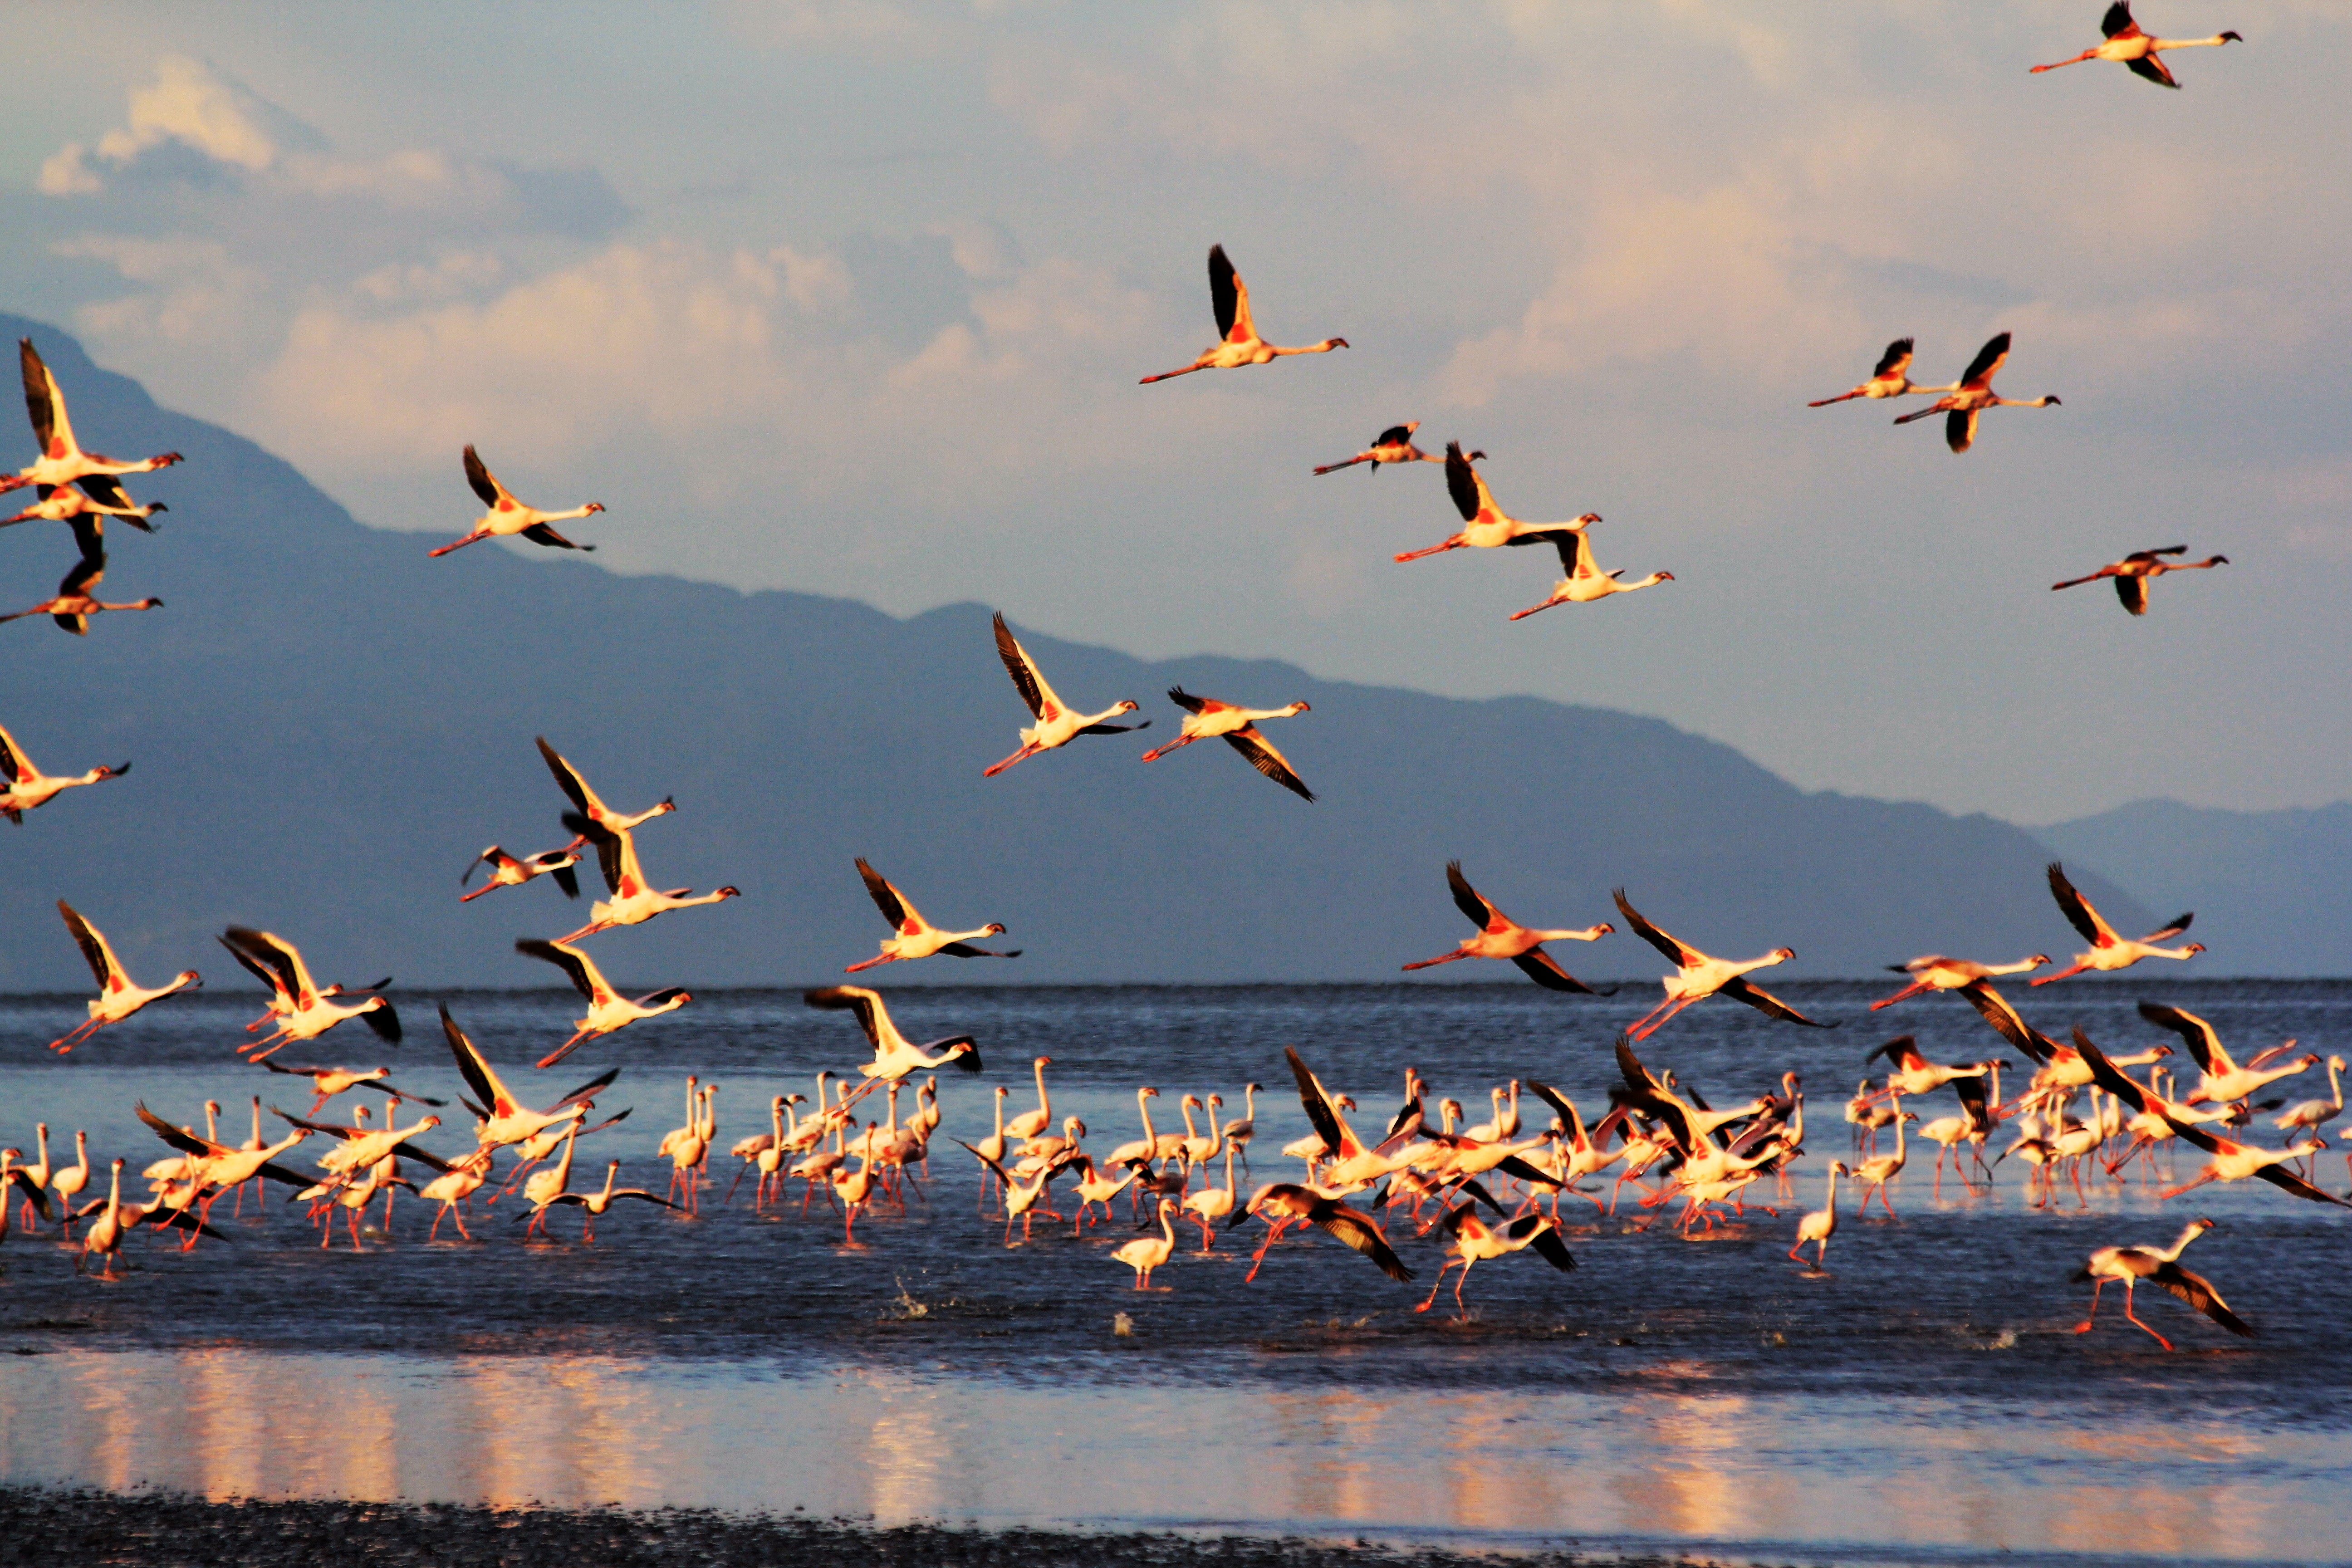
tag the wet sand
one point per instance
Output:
(137, 1530)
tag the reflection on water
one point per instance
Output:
(1813, 1473)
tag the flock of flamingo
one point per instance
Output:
(1479, 1190)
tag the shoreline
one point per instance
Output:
(157, 1529)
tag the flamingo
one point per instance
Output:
(2159, 1266)
(855, 1189)
(1239, 1133)
(2223, 1079)
(608, 1010)
(24, 787)
(894, 1055)
(34, 1178)
(1934, 972)
(327, 1082)
(1393, 444)
(1237, 342)
(1023, 1195)
(118, 997)
(205, 1154)
(584, 800)
(2231, 1161)
(1890, 378)
(1699, 976)
(635, 900)
(2109, 952)
(1485, 525)
(512, 871)
(2137, 53)
(1095, 1188)
(1500, 936)
(63, 503)
(2313, 1115)
(62, 461)
(1033, 1123)
(1353, 1164)
(504, 1118)
(1211, 1205)
(597, 1203)
(1585, 582)
(911, 936)
(105, 1236)
(2135, 572)
(1872, 1174)
(1291, 1204)
(454, 1186)
(1915, 1074)
(1974, 395)
(1822, 1223)
(510, 516)
(1146, 1253)
(1474, 1241)
(69, 1180)
(308, 1013)
(1056, 725)
(1205, 717)
(21, 1182)
(73, 606)
(1143, 1149)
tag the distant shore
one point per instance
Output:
(60, 1527)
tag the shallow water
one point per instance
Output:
(1921, 1401)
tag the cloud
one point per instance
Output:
(191, 105)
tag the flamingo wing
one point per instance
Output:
(569, 959)
(1987, 364)
(1252, 744)
(1473, 903)
(2199, 1293)
(1545, 1238)
(568, 779)
(1186, 700)
(541, 533)
(1394, 436)
(384, 1022)
(94, 951)
(1740, 989)
(2171, 928)
(1319, 1113)
(589, 1090)
(1575, 552)
(1346, 1224)
(2117, 22)
(253, 967)
(38, 403)
(476, 1070)
(486, 484)
(2151, 68)
(2007, 1023)
(185, 1142)
(1896, 1050)
(2078, 911)
(857, 999)
(282, 959)
(1463, 484)
(87, 574)
(12, 765)
(1544, 969)
(2203, 1043)
(965, 949)
(2287, 1182)
(1679, 955)
(1895, 361)
(1229, 297)
(1026, 679)
(886, 897)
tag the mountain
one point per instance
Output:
(2276, 885)
(326, 724)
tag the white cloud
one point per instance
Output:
(189, 103)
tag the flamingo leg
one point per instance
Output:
(2085, 1326)
(1658, 1018)
(1432, 963)
(474, 538)
(1023, 755)
(1907, 992)
(2133, 1316)
(1438, 548)
(2078, 59)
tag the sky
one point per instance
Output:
(850, 297)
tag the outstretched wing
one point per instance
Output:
(2078, 911)
(38, 403)
(280, 958)
(1546, 1240)
(2117, 22)
(1895, 361)
(185, 1142)
(1894, 1050)
(568, 779)
(1462, 483)
(541, 533)
(2171, 928)
(1988, 361)
(1186, 700)
(1545, 970)
(1229, 297)
(1472, 902)
(485, 483)
(87, 574)
(1318, 1105)
(384, 1022)
(94, 950)
(2199, 1293)
(1739, 989)
(2196, 1034)
(12, 765)
(1394, 436)
(965, 949)
(866, 1004)
(2132, 591)
(2007, 1022)
(2151, 68)
(569, 959)
(1680, 957)
(1344, 1224)
(1026, 681)
(476, 1070)
(1251, 743)
(589, 1090)
(886, 897)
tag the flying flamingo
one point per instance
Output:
(1208, 718)
(603, 818)
(512, 871)
(308, 1013)
(1822, 1223)
(894, 1055)
(1237, 342)
(2108, 952)
(2223, 1079)
(635, 900)
(1393, 444)
(2137, 53)
(117, 997)
(1288, 1203)
(1975, 396)
(1698, 977)
(1934, 972)
(597, 1203)
(1056, 725)
(63, 503)
(327, 1082)
(2135, 572)
(2231, 1162)
(1915, 1074)
(1585, 582)
(1486, 525)
(607, 1009)
(510, 516)
(1888, 380)
(73, 606)
(1474, 1241)
(504, 1118)
(62, 461)
(1500, 936)
(911, 936)
(2160, 1266)
(24, 787)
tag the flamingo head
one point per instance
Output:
(2229, 37)
(2196, 947)
(1588, 519)
(1339, 342)
(1605, 929)
(1126, 706)
(729, 891)
(103, 771)
(995, 928)
(1665, 577)
(595, 505)
(1784, 953)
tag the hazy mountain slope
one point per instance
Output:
(326, 724)
(2274, 887)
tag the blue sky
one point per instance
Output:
(852, 297)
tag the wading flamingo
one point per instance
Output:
(1146, 1253)
(597, 1203)
(1822, 1223)
(1237, 342)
